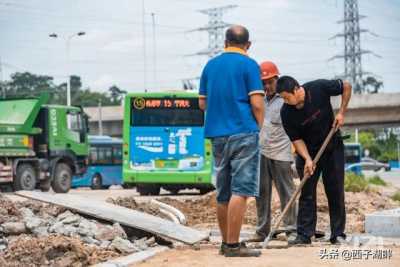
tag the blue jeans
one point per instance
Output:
(236, 164)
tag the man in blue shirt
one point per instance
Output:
(232, 94)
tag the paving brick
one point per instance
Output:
(383, 223)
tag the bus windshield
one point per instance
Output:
(164, 112)
(352, 153)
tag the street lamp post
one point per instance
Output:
(67, 46)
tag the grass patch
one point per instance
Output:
(355, 183)
(376, 180)
(396, 196)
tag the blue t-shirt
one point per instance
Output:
(227, 82)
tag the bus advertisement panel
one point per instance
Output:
(164, 143)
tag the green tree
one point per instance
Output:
(372, 85)
(368, 141)
(116, 94)
(28, 84)
(388, 148)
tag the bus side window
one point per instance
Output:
(117, 155)
(93, 155)
(104, 155)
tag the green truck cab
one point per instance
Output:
(41, 146)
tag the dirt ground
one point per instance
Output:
(299, 257)
(200, 210)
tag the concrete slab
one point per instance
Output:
(132, 259)
(383, 223)
(122, 215)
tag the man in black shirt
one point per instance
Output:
(307, 117)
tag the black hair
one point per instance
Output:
(286, 84)
(237, 35)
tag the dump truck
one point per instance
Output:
(42, 146)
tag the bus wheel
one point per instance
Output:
(97, 182)
(174, 191)
(204, 191)
(62, 178)
(26, 178)
(148, 190)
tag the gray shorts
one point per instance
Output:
(236, 162)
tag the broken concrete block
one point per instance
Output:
(383, 223)
(40, 231)
(90, 240)
(104, 244)
(64, 215)
(25, 212)
(119, 230)
(123, 245)
(3, 243)
(108, 232)
(141, 243)
(56, 228)
(33, 222)
(73, 219)
(14, 228)
(87, 228)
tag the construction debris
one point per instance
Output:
(127, 217)
(38, 234)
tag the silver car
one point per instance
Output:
(370, 164)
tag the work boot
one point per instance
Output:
(300, 241)
(256, 237)
(338, 240)
(291, 236)
(222, 249)
(241, 251)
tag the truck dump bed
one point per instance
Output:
(18, 115)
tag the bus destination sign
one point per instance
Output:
(164, 103)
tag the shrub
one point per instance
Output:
(396, 196)
(355, 183)
(376, 180)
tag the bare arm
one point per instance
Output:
(257, 106)
(203, 103)
(302, 150)
(339, 119)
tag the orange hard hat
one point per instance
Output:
(268, 70)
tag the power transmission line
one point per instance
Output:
(352, 46)
(215, 28)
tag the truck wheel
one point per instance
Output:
(97, 182)
(62, 178)
(26, 178)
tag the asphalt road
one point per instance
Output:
(392, 176)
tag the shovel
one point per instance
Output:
(298, 189)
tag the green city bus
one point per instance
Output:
(164, 144)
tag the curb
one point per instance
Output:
(131, 259)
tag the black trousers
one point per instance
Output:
(331, 165)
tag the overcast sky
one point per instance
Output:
(294, 34)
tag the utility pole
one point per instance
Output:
(353, 71)
(144, 46)
(154, 50)
(2, 88)
(100, 119)
(67, 47)
(216, 29)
